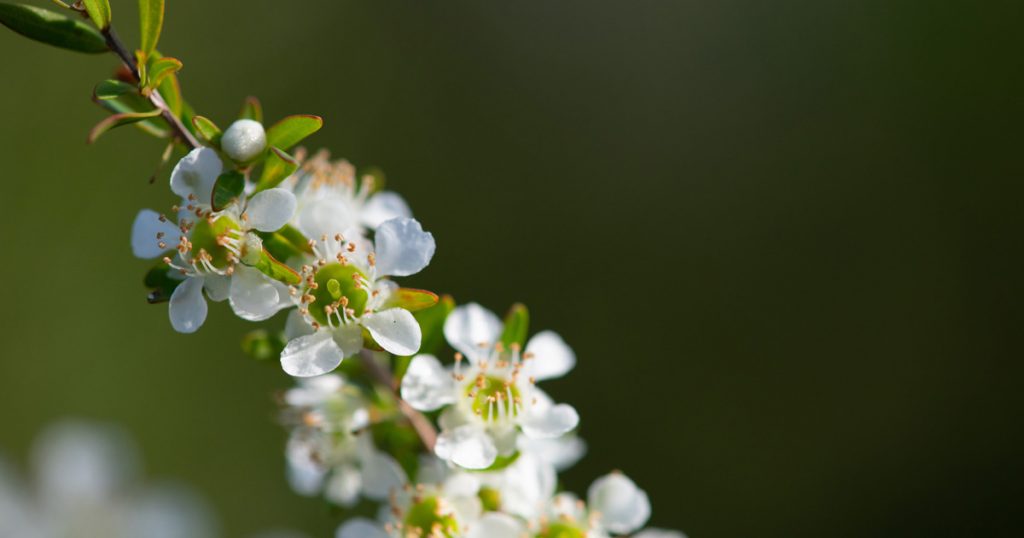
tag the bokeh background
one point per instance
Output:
(783, 238)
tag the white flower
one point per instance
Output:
(621, 506)
(214, 249)
(244, 140)
(331, 199)
(345, 290)
(494, 396)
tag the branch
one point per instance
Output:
(419, 422)
(118, 48)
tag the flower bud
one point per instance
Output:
(244, 140)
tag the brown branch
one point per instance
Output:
(419, 422)
(118, 48)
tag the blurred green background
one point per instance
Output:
(783, 238)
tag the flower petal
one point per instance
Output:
(622, 506)
(295, 326)
(343, 486)
(651, 532)
(217, 287)
(349, 338)
(325, 216)
(467, 446)
(196, 173)
(427, 385)
(147, 225)
(553, 422)
(271, 209)
(395, 329)
(560, 452)
(311, 355)
(383, 206)
(187, 307)
(496, 525)
(472, 329)
(382, 475)
(360, 527)
(552, 357)
(253, 296)
(403, 248)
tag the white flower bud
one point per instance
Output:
(244, 140)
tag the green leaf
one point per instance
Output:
(269, 266)
(112, 89)
(227, 189)
(263, 345)
(52, 28)
(62, 3)
(117, 120)
(99, 12)
(412, 299)
(151, 19)
(160, 283)
(285, 243)
(251, 110)
(160, 69)
(276, 168)
(291, 130)
(517, 325)
(129, 102)
(207, 130)
(170, 90)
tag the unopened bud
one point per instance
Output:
(244, 140)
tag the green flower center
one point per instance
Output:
(561, 529)
(338, 286)
(214, 239)
(493, 397)
(425, 518)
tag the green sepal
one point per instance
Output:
(500, 463)
(113, 89)
(278, 166)
(170, 90)
(227, 189)
(207, 130)
(263, 345)
(292, 129)
(160, 69)
(99, 12)
(412, 299)
(517, 325)
(129, 102)
(269, 266)
(52, 28)
(285, 243)
(117, 120)
(251, 110)
(160, 283)
(151, 20)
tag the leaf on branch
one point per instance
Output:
(112, 89)
(285, 243)
(517, 325)
(207, 130)
(413, 299)
(52, 28)
(151, 20)
(170, 90)
(99, 12)
(228, 188)
(269, 266)
(117, 120)
(120, 97)
(292, 129)
(276, 168)
(251, 110)
(160, 69)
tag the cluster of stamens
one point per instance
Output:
(195, 261)
(320, 172)
(326, 251)
(493, 390)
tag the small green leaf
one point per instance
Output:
(151, 19)
(517, 325)
(285, 243)
(160, 69)
(413, 299)
(99, 12)
(170, 90)
(263, 345)
(207, 130)
(160, 283)
(291, 130)
(117, 120)
(112, 89)
(227, 189)
(251, 110)
(62, 3)
(52, 28)
(276, 168)
(269, 266)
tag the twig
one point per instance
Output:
(420, 423)
(118, 48)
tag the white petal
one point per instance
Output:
(384, 205)
(296, 326)
(469, 326)
(144, 231)
(311, 355)
(552, 357)
(561, 452)
(187, 307)
(658, 533)
(244, 140)
(427, 385)
(271, 209)
(325, 216)
(395, 329)
(381, 475)
(217, 287)
(196, 174)
(344, 486)
(622, 506)
(403, 248)
(496, 525)
(466, 446)
(349, 338)
(552, 422)
(526, 487)
(254, 296)
(361, 527)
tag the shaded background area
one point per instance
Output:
(783, 238)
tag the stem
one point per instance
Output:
(420, 423)
(118, 48)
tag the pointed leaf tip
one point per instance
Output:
(292, 129)
(151, 20)
(117, 120)
(52, 28)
